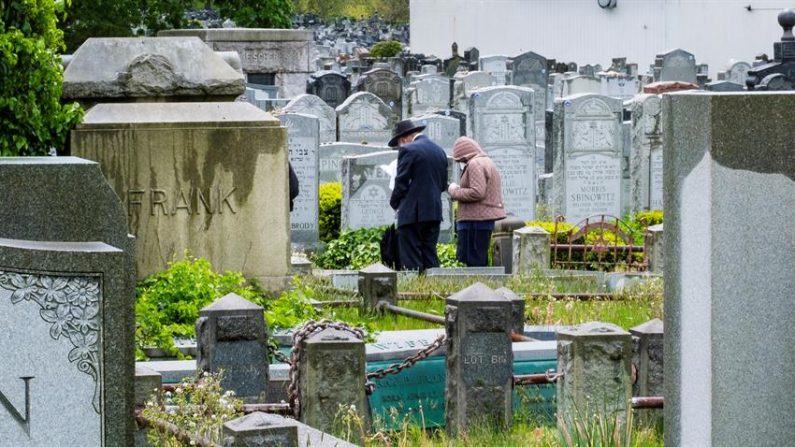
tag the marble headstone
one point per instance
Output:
(330, 86)
(386, 85)
(442, 130)
(589, 156)
(678, 65)
(428, 95)
(314, 106)
(646, 160)
(497, 67)
(503, 124)
(304, 156)
(331, 158)
(364, 118)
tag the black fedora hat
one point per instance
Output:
(402, 128)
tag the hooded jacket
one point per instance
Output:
(480, 194)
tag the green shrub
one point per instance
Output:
(386, 48)
(32, 118)
(258, 13)
(446, 253)
(330, 197)
(564, 229)
(292, 307)
(168, 302)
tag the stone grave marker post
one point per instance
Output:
(232, 336)
(730, 174)
(377, 283)
(530, 250)
(517, 309)
(479, 359)
(502, 241)
(647, 358)
(595, 359)
(332, 376)
(304, 155)
(260, 429)
(66, 306)
(646, 159)
(653, 246)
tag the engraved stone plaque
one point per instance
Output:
(589, 156)
(314, 106)
(363, 117)
(302, 137)
(505, 128)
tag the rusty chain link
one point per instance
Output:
(309, 328)
(409, 361)
(274, 352)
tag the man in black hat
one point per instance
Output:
(421, 178)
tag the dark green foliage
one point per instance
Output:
(168, 302)
(330, 211)
(386, 48)
(258, 13)
(32, 118)
(121, 18)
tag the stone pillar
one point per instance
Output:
(332, 374)
(595, 360)
(232, 336)
(530, 250)
(502, 242)
(260, 430)
(517, 309)
(377, 283)
(730, 256)
(647, 356)
(654, 248)
(479, 359)
(147, 386)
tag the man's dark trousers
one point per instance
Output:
(417, 243)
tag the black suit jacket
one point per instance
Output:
(421, 179)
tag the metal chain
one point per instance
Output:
(274, 352)
(309, 328)
(409, 361)
(552, 376)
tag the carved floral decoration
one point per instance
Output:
(71, 305)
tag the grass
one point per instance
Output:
(629, 308)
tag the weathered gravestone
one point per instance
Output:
(646, 160)
(428, 95)
(723, 86)
(302, 142)
(282, 56)
(729, 260)
(387, 86)
(331, 158)
(778, 74)
(530, 70)
(66, 306)
(589, 156)
(330, 86)
(618, 86)
(363, 117)
(737, 72)
(677, 65)
(460, 116)
(210, 178)
(479, 359)
(442, 130)
(367, 184)
(149, 69)
(232, 336)
(314, 106)
(464, 85)
(497, 67)
(504, 125)
(577, 85)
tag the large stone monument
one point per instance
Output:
(729, 260)
(150, 69)
(589, 156)
(66, 306)
(210, 178)
(279, 57)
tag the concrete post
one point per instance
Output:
(502, 241)
(595, 360)
(647, 361)
(377, 283)
(332, 376)
(654, 248)
(530, 250)
(260, 430)
(517, 309)
(232, 336)
(479, 359)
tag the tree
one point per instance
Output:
(31, 80)
(258, 13)
(121, 18)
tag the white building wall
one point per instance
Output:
(580, 31)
